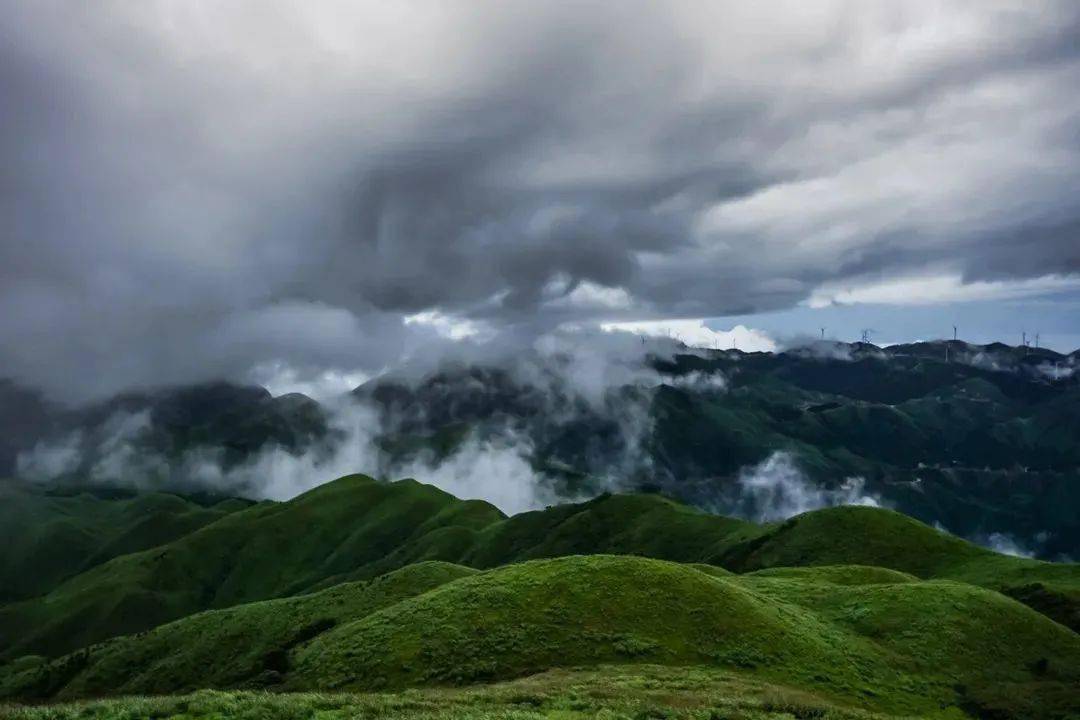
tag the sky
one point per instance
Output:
(297, 191)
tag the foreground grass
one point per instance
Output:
(615, 693)
(862, 637)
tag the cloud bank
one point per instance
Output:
(590, 393)
(192, 190)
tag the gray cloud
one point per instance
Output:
(195, 190)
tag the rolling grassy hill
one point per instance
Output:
(50, 536)
(245, 645)
(357, 528)
(268, 550)
(588, 610)
(856, 636)
(874, 536)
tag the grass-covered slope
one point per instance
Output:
(900, 646)
(49, 536)
(874, 536)
(836, 574)
(648, 525)
(353, 528)
(959, 644)
(357, 528)
(907, 646)
(612, 692)
(570, 611)
(653, 526)
(243, 646)
(269, 550)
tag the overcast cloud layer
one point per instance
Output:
(196, 189)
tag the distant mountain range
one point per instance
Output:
(981, 440)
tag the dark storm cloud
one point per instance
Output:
(193, 189)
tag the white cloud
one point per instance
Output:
(933, 289)
(1007, 545)
(49, 460)
(698, 381)
(776, 489)
(591, 296)
(320, 384)
(697, 334)
(447, 326)
(498, 472)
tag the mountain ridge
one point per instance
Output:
(983, 447)
(356, 528)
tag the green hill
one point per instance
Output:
(569, 611)
(874, 536)
(353, 528)
(357, 528)
(837, 574)
(245, 645)
(649, 525)
(269, 550)
(50, 536)
(902, 647)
